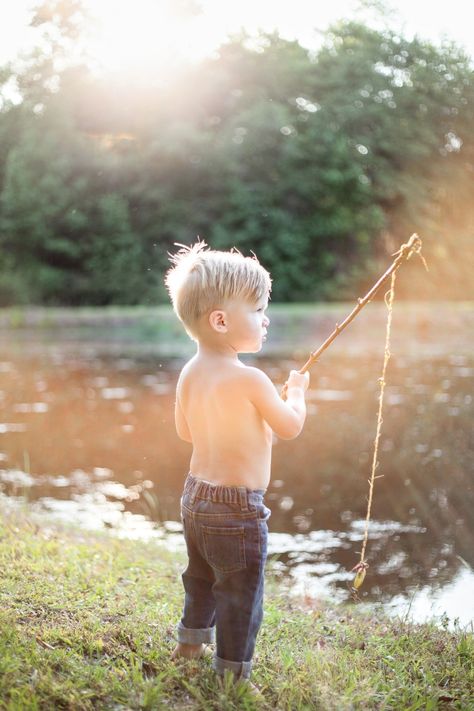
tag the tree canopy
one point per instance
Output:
(321, 164)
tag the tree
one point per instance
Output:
(318, 163)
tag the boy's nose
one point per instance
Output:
(266, 321)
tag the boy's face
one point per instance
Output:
(247, 324)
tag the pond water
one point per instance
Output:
(90, 439)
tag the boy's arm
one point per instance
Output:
(180, 421)
(285, 418)
(181, 424)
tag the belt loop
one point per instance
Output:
(243, 498)
(192, 495)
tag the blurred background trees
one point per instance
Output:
(322, 164)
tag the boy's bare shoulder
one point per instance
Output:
(185, 377)
(247, 381)
(187, 367)
(246, 375)
(234, 373)
(255, 378)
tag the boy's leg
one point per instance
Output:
(239, 604)
(197, 623)
(239, 613)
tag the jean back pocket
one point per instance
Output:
(225, 547)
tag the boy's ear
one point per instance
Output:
(218, 321)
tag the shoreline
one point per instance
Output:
(88, 620)
(168, 534)
(419, 329)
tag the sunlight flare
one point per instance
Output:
(148, 35)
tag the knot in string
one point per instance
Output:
(413, 246)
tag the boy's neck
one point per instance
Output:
(214, 350)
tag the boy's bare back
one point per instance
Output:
(231, 441)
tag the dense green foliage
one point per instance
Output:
(320, 164)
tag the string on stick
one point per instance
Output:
(413, 246)
(361, 567)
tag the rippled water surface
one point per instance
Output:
(91, 439)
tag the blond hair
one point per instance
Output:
(202, 280)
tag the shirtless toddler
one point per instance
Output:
(227, 411)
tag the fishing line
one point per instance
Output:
(413, 246)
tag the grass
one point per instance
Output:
(419, 328)
(87, 622)
(51, 317)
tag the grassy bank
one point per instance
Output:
(44, 317)
(419, 328)
(87, 621)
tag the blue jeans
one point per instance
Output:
(225, 528)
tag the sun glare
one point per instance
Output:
(146, 36)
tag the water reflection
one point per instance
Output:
(92, 440)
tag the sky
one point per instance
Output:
(131, 33)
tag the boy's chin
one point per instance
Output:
(256, 349)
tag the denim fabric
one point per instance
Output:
(225, 529)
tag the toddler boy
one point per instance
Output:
(227, 411)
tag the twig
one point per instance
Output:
(404, 253)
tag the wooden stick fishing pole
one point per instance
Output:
(413, 245)
(404, 253)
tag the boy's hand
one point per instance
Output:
(296, 380)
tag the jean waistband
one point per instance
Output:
(202, 489)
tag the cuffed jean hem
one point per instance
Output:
(199, 636)
(241, 670)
